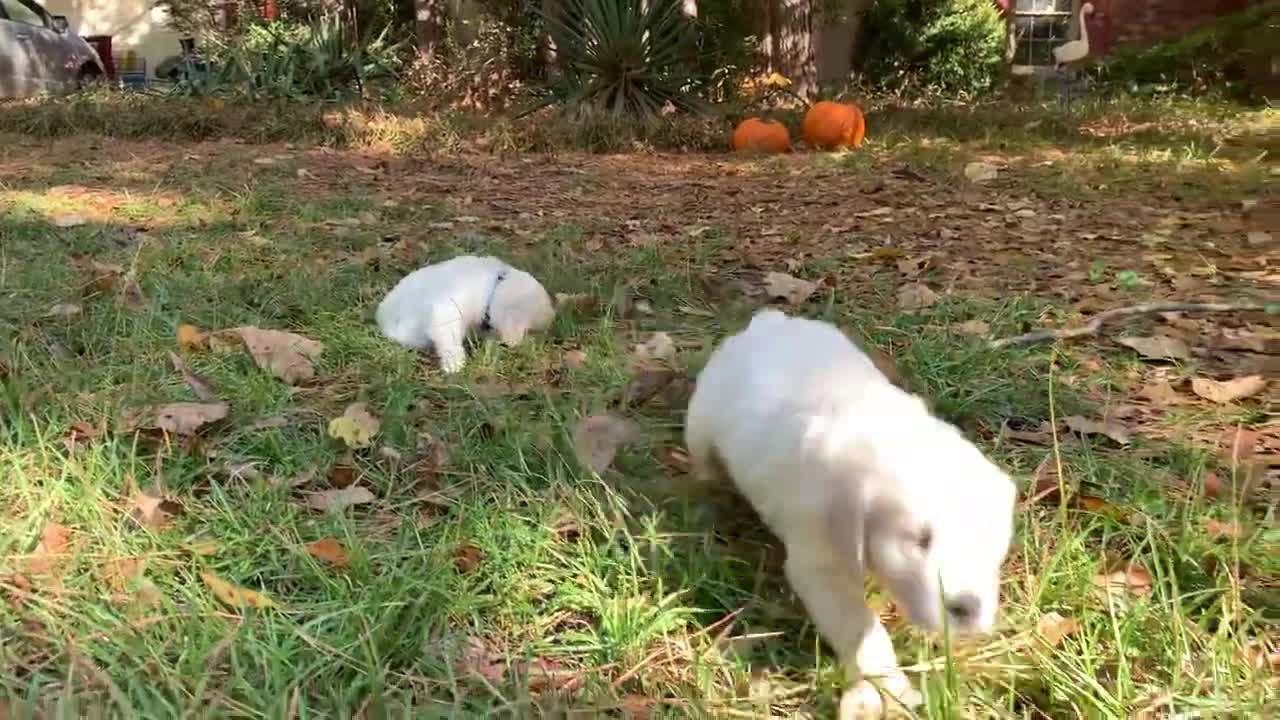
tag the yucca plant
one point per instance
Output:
(623, 57)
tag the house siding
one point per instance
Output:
(136, 25)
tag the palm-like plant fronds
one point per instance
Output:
(623, 57)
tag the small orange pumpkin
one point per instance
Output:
(754, 134)
(829, 125)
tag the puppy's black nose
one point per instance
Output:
(964, 608)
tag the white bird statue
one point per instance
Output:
(1076, 49)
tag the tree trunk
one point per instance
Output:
(839, 33)
(793, 49)
(547, 45)
(428, 26)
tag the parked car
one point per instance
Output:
(39, 54)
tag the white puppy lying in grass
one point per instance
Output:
(436, 306)
(853, 475)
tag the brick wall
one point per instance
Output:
(1147, 21)
(1143, 22)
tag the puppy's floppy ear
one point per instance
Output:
(511, 310)
(847, 528)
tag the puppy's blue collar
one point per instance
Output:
(489, 303)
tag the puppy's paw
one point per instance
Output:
(452, 362)
(861, 702)
(864, 701)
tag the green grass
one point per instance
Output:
(640, 598)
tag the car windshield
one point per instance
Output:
(24, 11)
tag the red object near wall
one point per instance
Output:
(269, 10)
(102, 44)
(1099, 25)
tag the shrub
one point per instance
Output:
(1230, 57)
(622, 57)
(322, 59)
(954, 47)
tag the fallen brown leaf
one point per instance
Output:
(575, 359)
(980, 172)
(102, 277)
(1228, 391)
(234, 595)
(916, 296)
(1041, 435)
(543, 675)
(203, 548)
(53, 550)
(596, 440)
(1102, 506)
(285, 355)
(1212, 485)
(792, 289)
(197, 383)
(340, 498)
(154, 512)
(476, 659)
(79, 435)
(575, 301)
(270, 421)
(182, 418)
(1218, 529)
(645, 383)
(190, 337)
(68, 221)
(343, 474)
(1047, 483)
(1053, 628)
(1159, 347)
(495, 389)
(120, 573)
(1108, 427)
(635, 706)
(1237, 445)
(1121, 579)
(1162, 393)
(467, 557)
(356, 427)
(65, 311)
(1267, 342)
(130, 294)
(329, 550)
(659, 346)
(972, 327)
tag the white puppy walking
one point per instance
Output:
(436, 306)
(853, 475)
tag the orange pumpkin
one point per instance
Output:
(829, 125)
(754, 134)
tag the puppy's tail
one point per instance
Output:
(767, 318)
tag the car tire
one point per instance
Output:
(89, 77)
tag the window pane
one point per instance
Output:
(1041, 54)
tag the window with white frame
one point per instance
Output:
(1039, 26)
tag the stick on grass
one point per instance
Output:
(1094, 326)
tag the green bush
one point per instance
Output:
(1231, 57)
(955, 47)
(323, 59)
